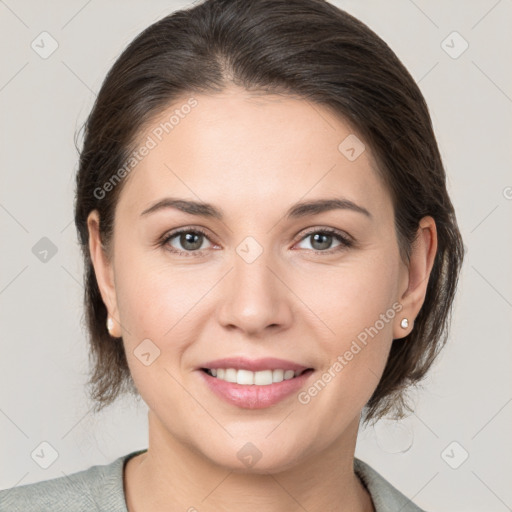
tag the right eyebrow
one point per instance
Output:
(187, 206)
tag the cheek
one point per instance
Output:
(350, 297)
(162, 304)
(156, 307)
(356, 303)
(154, 297)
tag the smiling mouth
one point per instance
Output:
(249, 378)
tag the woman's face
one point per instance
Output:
(259, 283)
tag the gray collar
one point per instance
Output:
(101, 488)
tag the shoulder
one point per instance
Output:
(98, 488)
(386, 498)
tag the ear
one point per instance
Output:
(104, 271)
(416, 275)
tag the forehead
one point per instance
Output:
(250, 149)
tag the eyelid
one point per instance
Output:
(168, 235)
(325, 229)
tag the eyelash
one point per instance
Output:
(345, 242)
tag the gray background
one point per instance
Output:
(467, 396)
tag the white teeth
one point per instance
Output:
(230, 375)
(246, 377)
(277, 375)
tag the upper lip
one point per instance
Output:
(254, 365)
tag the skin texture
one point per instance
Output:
(254, 156)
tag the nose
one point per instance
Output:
(254, 297)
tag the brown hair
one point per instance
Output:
(305, 48)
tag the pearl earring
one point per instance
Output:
(110, 325)
(404, 323)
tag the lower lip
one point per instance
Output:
(254, 396)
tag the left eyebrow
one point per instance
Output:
(324, 205)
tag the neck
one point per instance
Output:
(171, 475)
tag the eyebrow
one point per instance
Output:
(298, 210)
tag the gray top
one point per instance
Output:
(100, 488)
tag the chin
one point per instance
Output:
(249, 459)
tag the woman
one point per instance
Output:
(271, 256)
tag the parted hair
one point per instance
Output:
(304, 48)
